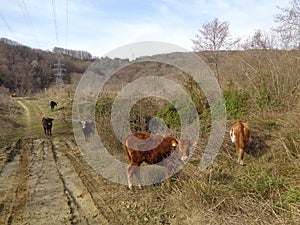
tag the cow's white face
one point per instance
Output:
(83, 124)
(184, 148)
(232, 136)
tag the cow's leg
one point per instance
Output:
(138, 176)
(130, 173)
(241, 156)
(168, 174)
(237, 148)
(50, 132)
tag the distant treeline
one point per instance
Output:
(77, 54)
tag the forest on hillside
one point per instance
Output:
(25, 70)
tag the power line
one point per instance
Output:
(28, 19)
(67, 22)
(55, 24)
(7, 25)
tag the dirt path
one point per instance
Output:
(45, 180)
(41, 181)
(26, 115)
(40, 185)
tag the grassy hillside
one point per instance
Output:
(11, 121)
(261, 87)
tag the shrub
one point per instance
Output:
(170, 115)
(236, 103)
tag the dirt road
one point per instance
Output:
(45, 180)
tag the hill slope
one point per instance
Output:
(25, 70)
(47, 178)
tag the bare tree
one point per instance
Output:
(214, 36)
(260, 40)
(289, 25)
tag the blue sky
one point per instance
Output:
(99, 26)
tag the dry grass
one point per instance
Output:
(264, 191)
(10, 120)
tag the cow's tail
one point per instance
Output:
(125, 148)
(242, 135)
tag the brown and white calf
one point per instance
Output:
(240, 135)
(152, 149)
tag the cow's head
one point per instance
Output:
(49, 121)
(83, 124)
(183, 147)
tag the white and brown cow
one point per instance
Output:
(240, 135)
(152, 149)
(87, 128)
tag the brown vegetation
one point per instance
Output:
(261, 87)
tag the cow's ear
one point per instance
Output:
(174, 143)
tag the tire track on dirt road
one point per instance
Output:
(27, 116)
(55, 191)
(13, 186)
(41, 186)
(95, 185)
(80, 200)
(39, 183)
(46, 199)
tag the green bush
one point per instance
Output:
(103, 107)
(170, 115)
(236, 103)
